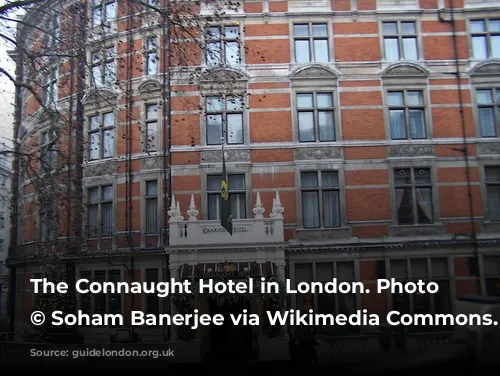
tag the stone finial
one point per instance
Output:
(180, 217)
(258, 210)
(193, 211)
(173, 214)
(277, 211)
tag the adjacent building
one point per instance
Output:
(361, 140)
(5, 173)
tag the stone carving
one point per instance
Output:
(215, 156)
(149, 86)
(99, 95)
(333, 152)
(489, 148)
(101, 169)
(405, 70)
(487, 68)
(396, 151)
(223, 75)
(151, 163)
(314, 72)
(427, 230)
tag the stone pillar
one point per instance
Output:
(281, 275)
(174, 275)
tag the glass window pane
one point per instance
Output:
(493, 199)
(391, 49)
(109, 144)
(419, 269)
(151, 43)
(345, 271)
(305, 101)
(319, 30)
(309, 179)
(93, 194)
(302, 52)
(390, 28)
(395, 98)
(236, 182)
(415, 98)
(326, 126)
(97, 75)
(492, 174)
(95, 146)
(399, 269)
(93, 123)
(231, 32)
(424, 205)
(422, 175)
(213, 54)
(306, 126)
(96, 16)
(108, 119)
(301, 30)
(151, 188)
(321, 51)
(398, 124)
(234, 128)
(329, 179)
(484, 97)
(214, 129)
(214, 183)
(232, 52)
(152, 136)
(213, 33)
(477, 26)
(410, 50)
(495, 45)
(214, 104)
(331, 209)
(234, 103)
(417, 124)
(110, 11)
(479, 50)
(404, 202)
(487, 122)
(238, 206)
(151, 111)
(310, 209)
(408, 28)
(439, 268)
(494, 25)
(324, 100)
(402, 177)
(107, 192)
(213, 206)
(151, 64)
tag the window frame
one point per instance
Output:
(449, 278)
(147, 198)
(400, 38)
(147, 122)
(315, 110)
(406, 108)
(495, 105)
(101, 131)
(489, 184)
(148, 52)
(101, 7)
(311, 38)
(486, 34)
(490, 277)
(107, 55)
(319, 189)
(432, 185)
(222, 40)
(51, 87)
(48, 147)
(224, 113)
(244, 192)
(101, 232)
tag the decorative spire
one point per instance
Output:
(277, 211)
(258, 210)
(192, 212)
(173, 214)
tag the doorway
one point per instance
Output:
(229, 342)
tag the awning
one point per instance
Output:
(227, 270)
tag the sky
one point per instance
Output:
(6, 89)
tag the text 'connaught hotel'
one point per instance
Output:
(361, 141)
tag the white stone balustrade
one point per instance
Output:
(257, 230)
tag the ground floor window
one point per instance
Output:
(328, 303)
(492, 275)
(427, 270)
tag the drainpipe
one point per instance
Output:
(464, 149)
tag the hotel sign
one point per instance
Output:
(217, 230)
